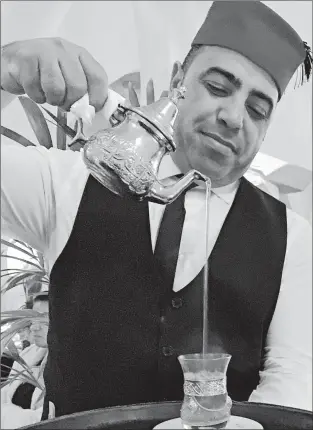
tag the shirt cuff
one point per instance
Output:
(101, 119)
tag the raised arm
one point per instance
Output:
(58, 72)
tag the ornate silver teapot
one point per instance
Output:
(126, 158)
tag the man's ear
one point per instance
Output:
(177, 75)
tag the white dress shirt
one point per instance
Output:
(41, 192)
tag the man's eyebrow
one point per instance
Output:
(228, 75)
(238, 83)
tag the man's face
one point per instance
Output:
(39, 329)
(227, 97)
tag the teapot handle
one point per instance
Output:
(119, 115)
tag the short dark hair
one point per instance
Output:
(194, 50)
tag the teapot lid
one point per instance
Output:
(162, 113)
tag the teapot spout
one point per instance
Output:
(165, 194)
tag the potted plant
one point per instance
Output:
(33, 276)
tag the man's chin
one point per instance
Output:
(214, 171)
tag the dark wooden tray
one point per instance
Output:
(146, 416)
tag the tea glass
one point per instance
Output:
(206, 404)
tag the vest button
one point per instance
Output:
(177, 302)
(167, 351)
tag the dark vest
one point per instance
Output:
(116, 329)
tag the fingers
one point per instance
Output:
(75, 81)
(97, 80)
(52, 81)
(53, 70)
(30, 80)
(9, 76)
(150, 92)
(132, 95)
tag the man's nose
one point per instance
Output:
(231, 115)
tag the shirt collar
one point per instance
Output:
(226, 193)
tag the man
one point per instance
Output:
(22, 402)
(39, 330)
(117, 312)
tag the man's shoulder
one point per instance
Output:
(264, 192)
(58, 154)
(39, 154)
(295, 220)
(61, 164)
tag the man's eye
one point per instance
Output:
(216, 90)
(257, 113)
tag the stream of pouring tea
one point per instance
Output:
(205, 304)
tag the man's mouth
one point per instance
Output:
(220, 140)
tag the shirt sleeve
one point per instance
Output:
(287, 376)
(101, 119)
(13, 417)
(27, 197)
(32, 180)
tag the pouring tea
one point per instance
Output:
(126, 158)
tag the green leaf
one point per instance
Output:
(13, 350)
(25, 375)
(42, 394)
(12, 245)
(24, 261)
(67, 130)
(8, 272)
(32, 283)
(26, 246)
(37, 121)
(26, 368)
(61, 136)
(20, 314)
(16, 137)
(19, 320)
(13, 282)
(76, 125)
(41, 259)
(15, 327)
(4, 366)
(15, 271)
(12, 377)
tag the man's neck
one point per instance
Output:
(168, 168)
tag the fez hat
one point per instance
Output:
(261, 35)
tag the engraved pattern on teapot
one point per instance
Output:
(126, 158)
(120, 155)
